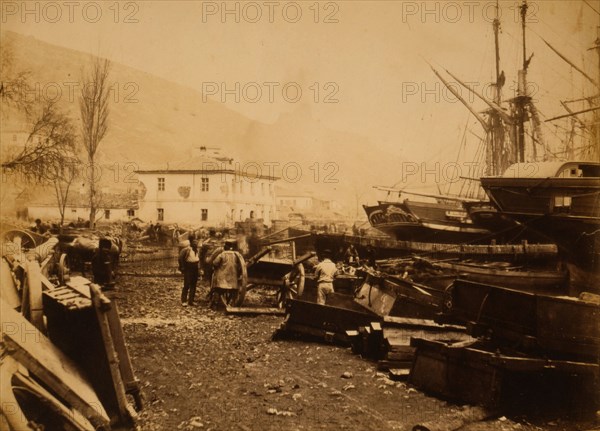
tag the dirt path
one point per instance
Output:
(203, 370)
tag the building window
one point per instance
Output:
(107, 214)
(241, 215)
(252, 189)
(131, 213)
(73, 211)
(204, 184)
(241, 186)
(562, 203)
(160, 216)
(204, 213)
(161, 184)
(233, 185)
(262, 188)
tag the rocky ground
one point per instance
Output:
(204, 370)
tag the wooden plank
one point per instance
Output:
(398, 374)
(30, 347)
(314, 332)
(80, 284)
(66, 296)
(101, 305)
(407, 321)
(8, 284)
(385, 365)
(407, 355)
(132, 385)
(374, 297)
(255, 310)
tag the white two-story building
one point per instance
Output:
(207, 190)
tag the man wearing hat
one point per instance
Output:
(229, 277)
(189, 261)
(325, 272)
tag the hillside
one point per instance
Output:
(154, 121)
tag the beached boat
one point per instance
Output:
(558, 199)
(442, 273)
(441, 222)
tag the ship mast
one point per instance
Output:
(496, 25)
(521, 99)
(496, 154)
(596, 117)
(592, 150)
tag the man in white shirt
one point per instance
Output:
(189, 261)
(325, 272)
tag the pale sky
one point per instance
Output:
(370, 57)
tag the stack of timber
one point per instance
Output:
(389, 341)
(328, 322)
(534, 351)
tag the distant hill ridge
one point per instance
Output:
(154, 121)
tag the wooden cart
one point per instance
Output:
(286, 275)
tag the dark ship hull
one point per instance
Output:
(565, 209)
(445, 223)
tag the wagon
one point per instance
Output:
(285, 275)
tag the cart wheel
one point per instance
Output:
(234, 297)
(63, 270)
(32, 307)
(293, 285)
(21, 237)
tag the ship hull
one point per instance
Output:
(567, 210)
(425, 222)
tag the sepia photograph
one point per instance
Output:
(300, 215)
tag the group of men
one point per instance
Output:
(225, 265)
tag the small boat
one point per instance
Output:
(441, 273)
(562, 326)
(442, 222)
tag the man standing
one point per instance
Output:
(351, 255)
(189, 262)
(229, 277)
(325, 272)
(39, 227)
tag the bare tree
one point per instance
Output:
(13, 82)
(94, 107)
(49, 154)
(51, 142)
(62, 176)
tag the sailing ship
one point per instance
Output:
(463, 218)
(560, 199)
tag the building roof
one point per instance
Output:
(286, 192)
(204, 162)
